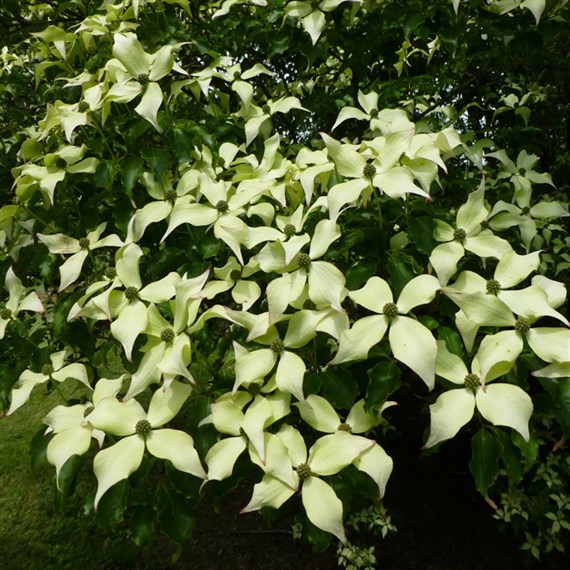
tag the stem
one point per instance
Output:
(379, 208)
(46, 224)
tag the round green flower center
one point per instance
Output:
(143, 428)
(47, 369)
(522, 325)
(5, 314)
(304, 471)
(142, 78)
(304, 260)
(131, 293)
(374, 113)
(484, 224)
(266, 109)
(110, 273)
(235, 274)
(60, 163)
(493, 287)
(237, 74)
(83, 106)
(390, 310)
(221, 162)
(459, 234)
(472, 382)
(254, 389)
(309, 304)
(526, 210)
(84, 243)
(277, 346)
(222, 206)
(170, 195)
(522, 171)
(368, 171)
(167, 335)
(344, 427)
(289, 230)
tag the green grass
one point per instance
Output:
(38, 530)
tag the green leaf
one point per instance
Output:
(339, 387)
(111, 507)
(510, 457)
(420, 231)
(529, 449)
(158, 159)
(131, 170)
(484, 464)
(68, 474)
(358, 274)
(452, 340)
(176, 519)
(38, 448)
(562, 405)
(403, 268)
(383, 380)
(142, 525)
(105, 174)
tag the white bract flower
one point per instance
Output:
(140, 431)
(501, 404)
(55, 371)
(246, 427)
(411, 342)
(221, 211)
(138, 72)
(72, 433)
(386, 120)
(70, 270)
(468, 235)
(312, 14)
(15, 303)
(243, 291)
(525, 307)
(288, 468)
(224, 69)
(373, 165)
(325, 282)
(67, 160)
(511, 270)
(320, 415)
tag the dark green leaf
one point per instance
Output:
(484, 464)
(383, 380)
(452, 340)
(402, 269)
(131, 170)
(142, 525)
(38, 448)
(68, 474)
(158, 160)
(105, 174)
(111, 507)
(358, 274)
(176, 517)
(510, 456)
(339, 387)
(420, 231)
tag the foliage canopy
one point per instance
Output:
(235, 233)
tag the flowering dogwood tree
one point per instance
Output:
(226, 226)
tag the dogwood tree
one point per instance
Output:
(227, 225)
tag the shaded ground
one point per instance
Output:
(442, 523)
